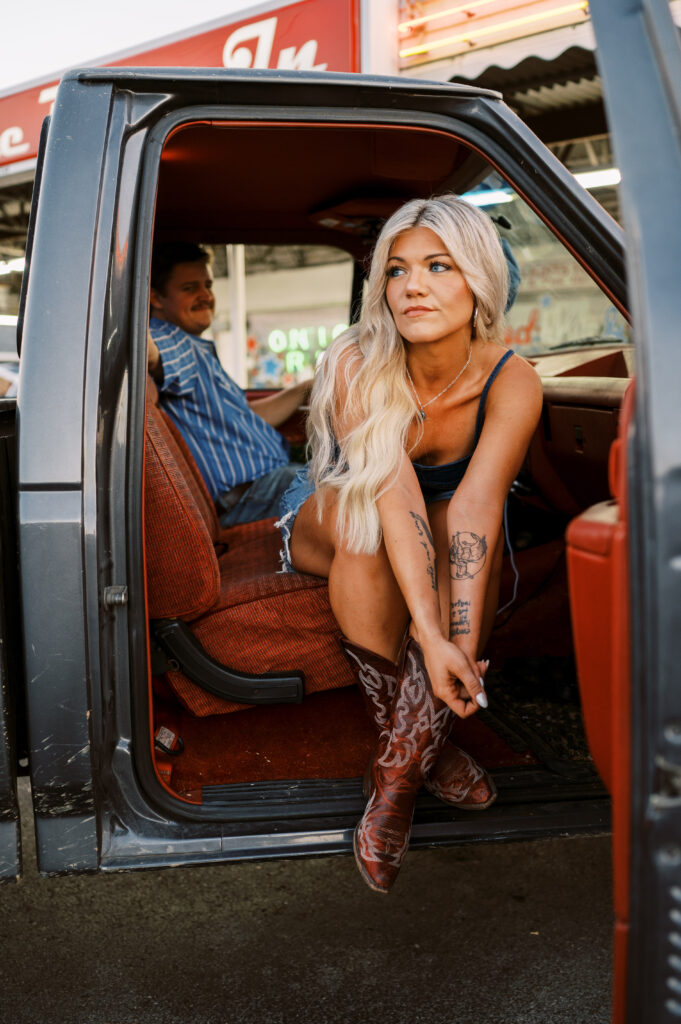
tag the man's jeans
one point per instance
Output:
(262, 499)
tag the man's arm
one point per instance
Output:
(171, 360)
(154, 362)
(276, 409)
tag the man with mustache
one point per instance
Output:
(242, 457)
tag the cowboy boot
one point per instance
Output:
(408, 748)
(456, 778)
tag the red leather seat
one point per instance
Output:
(226, 584)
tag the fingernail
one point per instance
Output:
(481, 699)
(486, 663)
(482, 682)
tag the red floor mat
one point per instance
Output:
(328, 736)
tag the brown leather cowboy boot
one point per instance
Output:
(455, 778)
(408, 748)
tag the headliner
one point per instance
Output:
(288, 183)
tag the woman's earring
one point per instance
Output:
(474, 325)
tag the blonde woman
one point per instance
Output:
(419, 422)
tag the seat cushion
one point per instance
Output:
(265, 621)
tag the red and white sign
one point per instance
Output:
(320, 35)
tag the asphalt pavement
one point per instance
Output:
(516, 933)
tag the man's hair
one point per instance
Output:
(167, 255)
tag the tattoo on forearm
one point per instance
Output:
(428, 546)
(467, 555)
(459, 623)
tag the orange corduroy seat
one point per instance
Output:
(226, 584)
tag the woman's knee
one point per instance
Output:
(312, 539)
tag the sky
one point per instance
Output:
(41, 38)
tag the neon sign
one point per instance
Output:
(307, 339)
(301, 346)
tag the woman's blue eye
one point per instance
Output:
(438, 267)
(395, 271)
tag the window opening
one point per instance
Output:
(558, 305)
(297, 300)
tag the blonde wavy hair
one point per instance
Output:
(370, 359)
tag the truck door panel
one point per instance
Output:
(640, 34)
(55, 431)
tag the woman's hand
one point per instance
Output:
(454, 677)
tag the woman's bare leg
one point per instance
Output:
(364, 595)
(371, 612)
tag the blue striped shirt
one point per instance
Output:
(230, 443)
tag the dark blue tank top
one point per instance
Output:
(439, 482)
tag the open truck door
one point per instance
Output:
(624, 556)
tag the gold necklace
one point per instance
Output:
(422, 406)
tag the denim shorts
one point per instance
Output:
(263, 497)
(299, 490)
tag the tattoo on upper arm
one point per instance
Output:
(467, 555)
(459, 623)
(428, 546)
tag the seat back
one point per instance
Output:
(183, 577)
(182, 455)
(244, 612)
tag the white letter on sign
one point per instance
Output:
(12, 142)
(304, 59)
(242, 57)
(48, 95)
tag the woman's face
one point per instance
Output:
(426, 292)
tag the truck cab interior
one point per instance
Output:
(251, 711)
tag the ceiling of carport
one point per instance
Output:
(559, 98)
